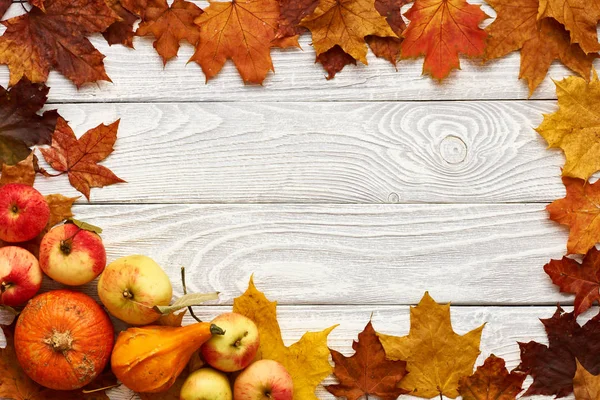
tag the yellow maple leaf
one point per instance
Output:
(346, 23)
(436, 356)
(585, 385)
(574, 127)
(22, 172)
(307, 360)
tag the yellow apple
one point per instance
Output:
(130, 286)
(206, 384)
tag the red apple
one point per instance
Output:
(236, 349)
(264, 380)
(24, 213)
(20, 276)
(206, 384)
(71, 255)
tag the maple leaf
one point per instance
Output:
(516, 27)
(585, 385)
(579, 210)
(307, 360)
(580, 18)
(4, 5)
(291, 13)
(583, 279)
(121, 31)
(573, 128)
(16, 385)
(23, 172)
(36, 42)
(170, 25)
(79, 157)
(441, 30)
(346, 23)
(389, 47)
(20, 124)
(367, 371)
(60, 208)
(334, 60)
(492, 381)
(553, 367)
(241, 30)
(436, 356)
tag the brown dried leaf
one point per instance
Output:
(23, 172)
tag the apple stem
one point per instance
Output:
(127, 294)
(66, 245)
(185, 292)
(4, 286)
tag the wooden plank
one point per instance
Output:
(505, 326)
(324, 152)
(375, 254)
(139, 75)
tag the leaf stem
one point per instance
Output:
(185, 292)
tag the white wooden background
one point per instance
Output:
(344, 197)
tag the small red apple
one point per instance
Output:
(20, 276)
(24, 213)
(71, 255)
(264, 380)
(236, 349)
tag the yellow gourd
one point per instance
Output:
(150, 358)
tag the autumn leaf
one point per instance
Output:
(583, 279)
(573, 128)
(16, 385)
(585, 385)
(389, 47)
(242, 31)
(172, 319)
(492, 381)
(334, 60)
(36, 42)
(291, 13)
(436, 356)
(60, 208)
(79, 157)
(442, 30)
(307, 360)
(516, 27)
(579, 211)
(345, 23)
(20, 124)
(23, 172)
(170, 25)
(553, 367)
(4, 5)
(580, 17)
(367, 371)
(121, 31)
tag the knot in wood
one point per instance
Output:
(453, 149)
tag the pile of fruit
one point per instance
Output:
(63, 339)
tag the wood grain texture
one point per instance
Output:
(138, 75)
(505, 326)
(425, 152)
(351, 255)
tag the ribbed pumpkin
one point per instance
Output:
(63, 339)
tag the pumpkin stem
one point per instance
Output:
(60, 341)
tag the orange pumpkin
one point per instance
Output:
(63, 339)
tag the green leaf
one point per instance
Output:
(188, 300)
(85, 226)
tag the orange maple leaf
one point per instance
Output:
(367, 371)
(79, 157)
(389, 47)
(346, 23)
(170, 25)
(517, 27)
(241, 30)
(36, 42)
(579, 210)
(492, 381)
(579, 17)
(122, 30)
(441, 30)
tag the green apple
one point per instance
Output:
(130, 286)
(206, 384)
